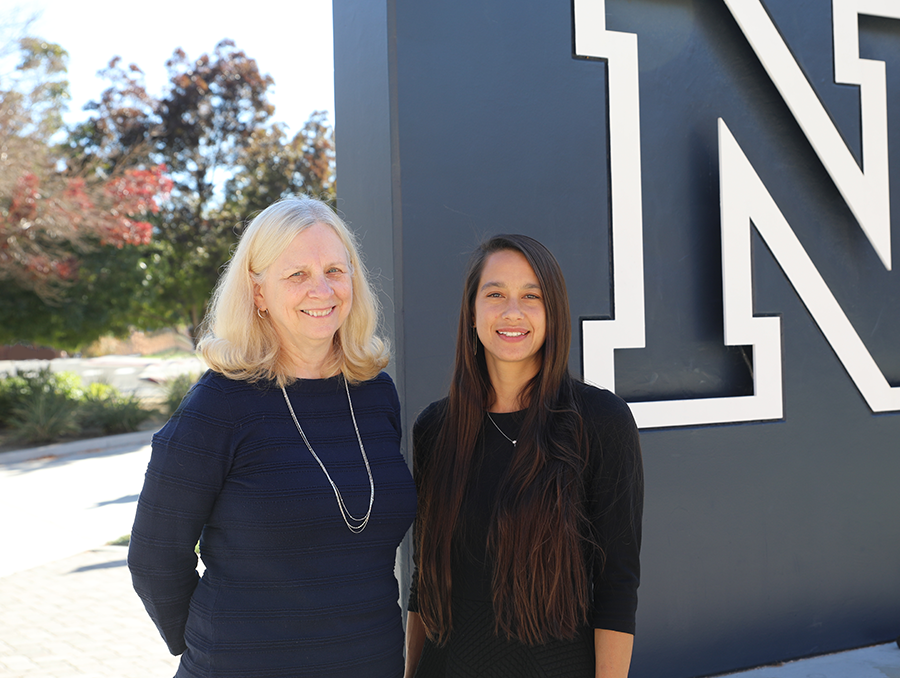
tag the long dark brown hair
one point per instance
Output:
(538, 531)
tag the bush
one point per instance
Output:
(67, 384)
(45, 416)
(106, 410)
(42, 406)
(12, 390)
(17, 390)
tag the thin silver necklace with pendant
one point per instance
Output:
(358, 524)
(501, 430)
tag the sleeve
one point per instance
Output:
(616, 507)
(424, 431)
(190, 460)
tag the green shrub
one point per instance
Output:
(14, 391)
(99, 390)
(43, 380)
(105, 410)
(45, 416)
(11, 391)
(64, 383)
(176, 388)
(18, 389)
(42, 406)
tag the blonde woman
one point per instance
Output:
(284, 462)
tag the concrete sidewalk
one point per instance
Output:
(68, 498)
(79, 617)
(878, 661)
(67, 609)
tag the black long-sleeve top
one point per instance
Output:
(614, 492)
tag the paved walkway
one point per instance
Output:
(879, 661)
(67, 609)
(78, 617)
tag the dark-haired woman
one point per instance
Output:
(530, 489)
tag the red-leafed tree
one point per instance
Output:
(46, 221)
(51, 212)
(60, 220)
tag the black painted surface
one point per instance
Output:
(763, 541)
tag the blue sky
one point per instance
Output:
(292, 42)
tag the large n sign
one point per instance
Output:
(720, 205)
(746, 204)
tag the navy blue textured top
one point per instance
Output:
(288, 589)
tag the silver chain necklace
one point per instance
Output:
(501, 430)
(345, 514)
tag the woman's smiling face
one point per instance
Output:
(308, 290)
(510, 317)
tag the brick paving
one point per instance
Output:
(80, 617)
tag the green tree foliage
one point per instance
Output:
(211, 130)
(273, 166)
(107, 295)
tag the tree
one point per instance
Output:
(198, 129)
(144, 260)
(212, 129)
(119, 133)
(208, 118)
(59, 220)
(49, 214)
(273, 167)
(103, 297)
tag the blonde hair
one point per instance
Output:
(239, 344)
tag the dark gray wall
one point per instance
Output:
(762, 541)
